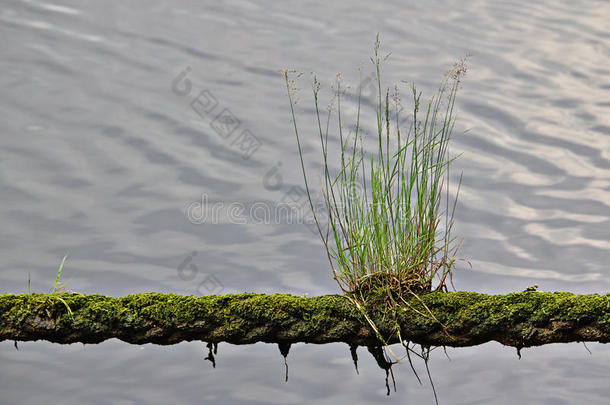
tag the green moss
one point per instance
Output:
(458, 319)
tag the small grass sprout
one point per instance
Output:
(58, 285)
(58, 288)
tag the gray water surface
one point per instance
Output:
(104, 158)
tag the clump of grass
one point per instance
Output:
(390, 214)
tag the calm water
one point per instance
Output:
(101, 159)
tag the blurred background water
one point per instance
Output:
(102, 156)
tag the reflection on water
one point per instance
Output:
(100, 158)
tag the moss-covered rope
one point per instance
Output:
(467, 318)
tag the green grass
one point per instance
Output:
(58, 288)
(390, 213)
